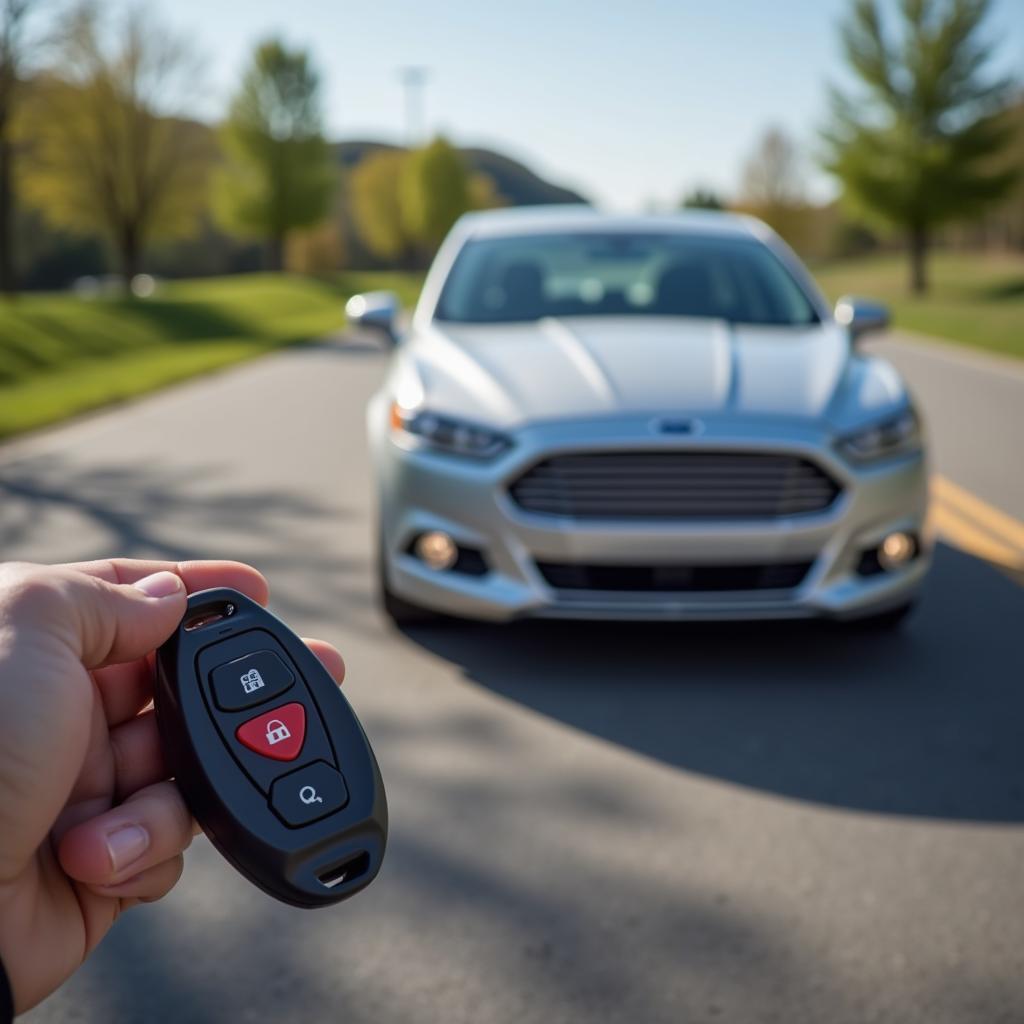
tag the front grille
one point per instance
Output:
(675, 485)
(674, 578)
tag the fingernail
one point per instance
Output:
(160, 584)
(125, 845)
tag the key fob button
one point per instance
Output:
(278, 734)
(308, 794)
(246, 682)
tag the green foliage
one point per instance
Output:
(60, 354)
(103, 154)
(374, 190)
(402, 199)
(434, 192)
(915, 149)
(279, 174)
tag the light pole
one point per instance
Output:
(413, 79)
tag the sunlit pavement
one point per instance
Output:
(588, 824)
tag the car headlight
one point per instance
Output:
(449, 435)
(895, 435)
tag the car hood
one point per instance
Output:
(508, 374)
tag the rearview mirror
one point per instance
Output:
(861, 316)
(376, 311)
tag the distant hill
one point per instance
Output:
(516, 182)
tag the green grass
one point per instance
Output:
(974, 299)
(61, 355)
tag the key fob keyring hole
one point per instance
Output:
(208, 616)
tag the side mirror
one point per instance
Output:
(861, 316)
(375, 311)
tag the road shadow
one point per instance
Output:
(156, 510)
(482, 903)
(925, 721)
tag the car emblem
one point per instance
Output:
(678, 425)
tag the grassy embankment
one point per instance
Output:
(60, 355)
(975, 300)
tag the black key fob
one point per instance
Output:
(270, 757)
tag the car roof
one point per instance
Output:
(579, 217)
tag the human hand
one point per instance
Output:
(89, 822)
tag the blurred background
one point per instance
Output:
(182, 141)
(663, 823)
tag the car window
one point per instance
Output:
(522, 278)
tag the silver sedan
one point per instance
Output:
(597, 416)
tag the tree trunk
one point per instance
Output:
(131, 254)
(8, 284)
(918, 243)
(275, 252)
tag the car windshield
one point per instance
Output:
(525, 277)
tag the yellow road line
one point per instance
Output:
(962, 534)
(998, 522)
(976, 527)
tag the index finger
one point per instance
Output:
(196, 575)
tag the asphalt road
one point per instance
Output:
(645, 824)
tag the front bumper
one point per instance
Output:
(421, 490)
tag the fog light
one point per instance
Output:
(436, 550)
(896, 550)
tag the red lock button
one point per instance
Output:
(277, 734)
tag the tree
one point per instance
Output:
(701, 198)
(772, 186)
(279, 174)
(105, 152)
(317, 251)
(915, 149)
(772, 175)
(374, 187)
(1006, 219)
(16, 48)
(434, 192)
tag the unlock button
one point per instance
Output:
(277, 734)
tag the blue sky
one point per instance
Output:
(631, 102)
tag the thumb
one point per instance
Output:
(110, 623)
